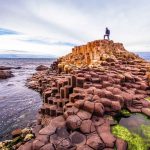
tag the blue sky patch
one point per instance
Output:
(4, 31)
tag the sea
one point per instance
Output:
(18, 104)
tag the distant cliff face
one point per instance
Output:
(97, 53)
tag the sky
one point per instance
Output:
(53, 27)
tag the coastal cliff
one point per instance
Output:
(83, 94)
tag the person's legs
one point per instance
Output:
(108, 37)
(104, 37)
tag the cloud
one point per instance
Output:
(48, 42)
(4, 31)
(54, 27)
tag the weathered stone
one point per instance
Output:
(105, 134)
(121, 144)
(62, 132)
(79, 104)
(84, 115)
(97, 121)
(77, 138)
(48, 130)
(95, 142)
(115, 105)
(37, 144)
(99, 109)
(4, 74)
(26, 146)
(87, 126)
(58, 122)
(43, 138)
(16, 132)
(80, 81)
(84, 147)
(64, 144)
(48, 146)
(73, 122)
(146, 111)
(88, 106)
(41, 68)
(106, 102)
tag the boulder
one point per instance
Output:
(105, 134)
(5, 68)
(26, 146)
(84, 115)
(84, 147)
(48, 130)
(115, 105)
(4, 74)
(97, 121)
(146, 111)
(16, 132)
(88, 106)
(87, 126)
(73, 122)
(77, 138)
(37, 144)
(121, 144)
(95, 142)
(48, 146)
(43, 138)
(64, 144)
(99, 109)
(41, 68)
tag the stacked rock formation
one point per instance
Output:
(83, 91)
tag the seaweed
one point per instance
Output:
(135, 142)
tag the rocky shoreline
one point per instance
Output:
(83, 93)
(5, 72)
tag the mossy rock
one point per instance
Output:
(145, 129)
(135, 142)
(147, 98)
(125, 113)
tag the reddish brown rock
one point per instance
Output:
(84, 115)
(16, 132)
(146, 111)
(41, 68)
(48, 146)
(43, 138)
(121, 144)
(106, 136)
(48, 130)
(26, 146)
(77, 138)
(88, 106)
(95, 142)
(4, 74)
(73, 122)
(37, 144)
(99, 109)
(87, 126)
(115, 105)
(84, 147)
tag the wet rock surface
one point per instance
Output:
(4, 74)
(94, 81)
(41, 68)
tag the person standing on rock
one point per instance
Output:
(107, 33)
